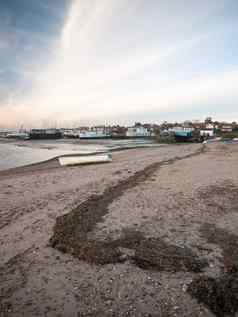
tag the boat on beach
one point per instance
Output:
(86, 159)
(213, 140)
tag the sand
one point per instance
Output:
(127, 238)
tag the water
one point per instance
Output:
(20, 153)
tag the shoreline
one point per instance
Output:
(53, 163)
(48, 162)
(30, 168)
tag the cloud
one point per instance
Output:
(116, 60)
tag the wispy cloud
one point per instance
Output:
(116, 60)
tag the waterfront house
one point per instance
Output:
(137, 132)
(226, 128)
(207, 133)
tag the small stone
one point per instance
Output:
(184, 288)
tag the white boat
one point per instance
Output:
(218, 139)
(93, 135)
(18, 135)
(87, 159)
(71, 134)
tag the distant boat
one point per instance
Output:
(218, 139)
(87, 159)
(18, 135)
(93, 135)
(233, 141)
(183, 135)
(71, 134)
(45, 134)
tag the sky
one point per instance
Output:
(77, 62)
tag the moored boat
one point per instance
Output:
(93, 135)
(44, 134)
(18, 135)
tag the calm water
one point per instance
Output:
(20, 153)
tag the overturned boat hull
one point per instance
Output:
(82, 160)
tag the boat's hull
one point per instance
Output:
(45, 136)
(82, 160)
(93, 135)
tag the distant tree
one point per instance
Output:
(208, 120)
(234, 126)
(165, 125)
(187, 124)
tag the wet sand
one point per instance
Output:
(44, 167)
(134, 237)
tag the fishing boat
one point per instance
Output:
(44, 134)
(183, 135)
(86, 159)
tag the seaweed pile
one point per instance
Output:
(220, 294)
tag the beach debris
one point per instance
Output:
(71, 233)
(219, 295)
(156, 254)
(151, 254)
(228, 243)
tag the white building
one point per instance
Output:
(207, 133)
(226, 128)
(137, 132)
(209, 126)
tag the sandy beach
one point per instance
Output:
(151, 234)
